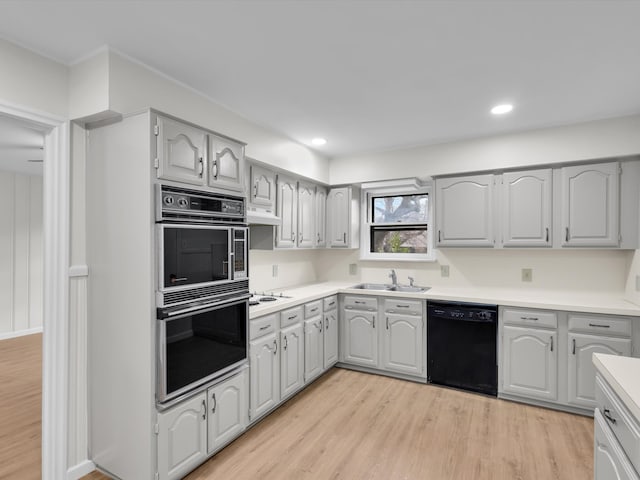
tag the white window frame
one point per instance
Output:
(394, 187)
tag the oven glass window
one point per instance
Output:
(200, 345)
(195, 255)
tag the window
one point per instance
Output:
(396, 224)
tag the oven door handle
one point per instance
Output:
(165, 315)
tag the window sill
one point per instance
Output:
(398, 257)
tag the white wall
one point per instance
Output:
(295, 267)
(32, 81)
(604, 138)
(21, 277)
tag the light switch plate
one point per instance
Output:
(444, 270)
(527, 274)
(353, 268)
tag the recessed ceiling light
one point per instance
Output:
(318, 142)
(501, 109)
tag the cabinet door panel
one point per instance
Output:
(306, 215)
(590, 205)
(321, 217)
(263, 188)
(338, 226)
(330, 338)
(530, 362)
(228, 411)
(465, 211)
(182, 438)
(313, 348)
(288, 212)
(526, 208)
(403, 344)
(181, 152)
(226, 164)
(582, 372)
(265, 375)
(291, 360)
(361, 338)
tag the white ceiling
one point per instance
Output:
(19, 143)
(367, 75)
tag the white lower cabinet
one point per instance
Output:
(330, 338)
(530, 362)
(182, 437)
(291, 360)
(313, 348)
(360, 338)
(228, 411)
(403, 344)
(265, 375)
(582, 373)
(609, 459)
(190, 431)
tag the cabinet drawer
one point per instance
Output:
(600, 325)
(263, 325)
(290, 316)
(330, 303)
(625, 429)
(352, 302)
(409, 307)
(313, 309)
(538, 318)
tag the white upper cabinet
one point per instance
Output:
(526, 208)
(321, 217)
(306, 215)
(343, 220)
(263, 188)
(590, 205)
(287, 201)
(464, 211)
(181, 151)
(226, 164)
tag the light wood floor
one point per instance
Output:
(350, 425)
(21, 407)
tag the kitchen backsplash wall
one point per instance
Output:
(586, 270)
(633, 279)
(294, 267)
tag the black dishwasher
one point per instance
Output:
(461, 346)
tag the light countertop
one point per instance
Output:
(623, 375)
(601, 303)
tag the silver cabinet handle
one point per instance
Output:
(204, 410)
(292, 317)
(201, 161)
(344, 237)
(275, 347)
(599, 325)
(402, 306)
(293, 237)
(439, 236)
(286, 343)
(215, 403)
(358, 302)
(374, 321)
(326, 326)
(214, 167)
(318, 237)
(566, 234)
(552, 344)
(535, 319)
(265, 327)
(332, 304)
(573, 348)
(607, 414)
(547, 236)
(314, 310)
(300, 236)
(387, 323)
(320, 322)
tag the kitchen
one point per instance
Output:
(133, 88)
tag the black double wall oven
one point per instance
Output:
(202, 288)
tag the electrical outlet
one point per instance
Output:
(274, 270)
(637, 283)
(353, 268)
(527, 274)
(444, 270)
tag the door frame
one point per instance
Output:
(55, 340)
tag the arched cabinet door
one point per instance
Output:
(181, 152)
(226, 164)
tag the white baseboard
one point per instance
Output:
(80, 470)
(20, 333)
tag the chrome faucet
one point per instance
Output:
(394, 278)
(411, 280)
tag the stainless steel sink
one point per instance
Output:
(390, 288)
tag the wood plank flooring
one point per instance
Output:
(21, 407)
(350, 425)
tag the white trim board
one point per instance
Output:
(56, 284)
